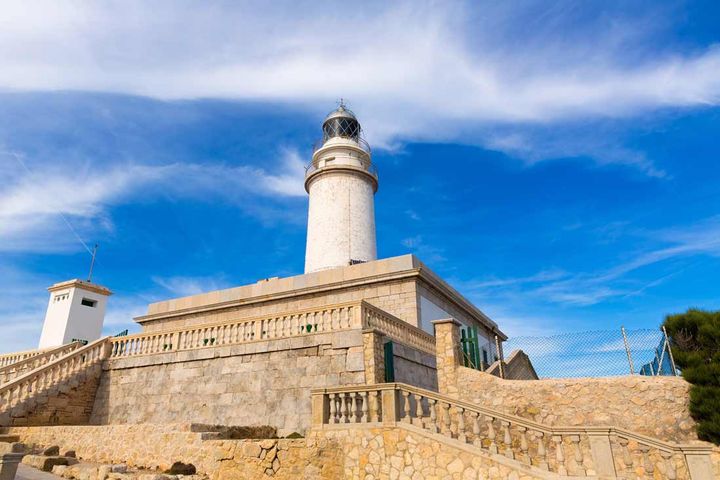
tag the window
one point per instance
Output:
(88, 302)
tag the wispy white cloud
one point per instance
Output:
(35, 205)
(424, 250)
(186, 286)
(590, 288)
(418, 70)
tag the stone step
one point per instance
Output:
(6, 438)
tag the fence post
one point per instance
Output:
(627, 350)
(500, 354)
(667, 345)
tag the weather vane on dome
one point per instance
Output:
(341, 103)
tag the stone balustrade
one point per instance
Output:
(346, 316)
(29, 385)
(10, 358)
(277, 326)
(576, 451)
(40, 358)
(398, 330)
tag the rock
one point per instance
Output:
(103, 472)
(156, 476)
(59, 470)
(70, 453)
(41, 462)
(14, 447)
(53, 451)
(251, 449)
(267, 444)
(180, 468)
(119, 468)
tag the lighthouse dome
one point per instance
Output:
(341, 122)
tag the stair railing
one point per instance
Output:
(16, 369)
(10, 358)
(578, 451)
(51, 374)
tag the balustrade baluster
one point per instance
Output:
(419, 414)
(524, 457)
(343, 408)
(353, 407)
(374, 407)
(670, 472)
(446, 419)
(432, 405)
(365, 408)
(627, 456)
(406, 407)
(507, 440)
(492, 448)
(559, 455)
(333, 409)
(477, 441)
(648, 465)
(575, 439)
(461, 424)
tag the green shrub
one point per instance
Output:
(695, 342)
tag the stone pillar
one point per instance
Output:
(374, 356)
(447, 353)
(8, 465)
(601, 452)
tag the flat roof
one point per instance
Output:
(343, 277)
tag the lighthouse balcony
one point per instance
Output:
(356, 142)
(364, 166)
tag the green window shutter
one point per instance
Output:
(389, 363)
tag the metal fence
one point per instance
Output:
(597, 353)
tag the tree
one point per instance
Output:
(695, 342)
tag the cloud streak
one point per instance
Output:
(414, 70)
(590, 288)
(35, 206)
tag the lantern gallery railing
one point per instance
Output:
(16, 369)
(578, 451)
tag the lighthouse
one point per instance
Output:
(341, 182)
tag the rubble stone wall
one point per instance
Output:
(654, 406)
(377, 452)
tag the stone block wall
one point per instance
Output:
(397, 297)
(69, 404)
(414, 367)
(259, 383)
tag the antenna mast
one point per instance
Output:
(92, 263)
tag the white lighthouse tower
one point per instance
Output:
(342, 182)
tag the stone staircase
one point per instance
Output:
(540, 450)
(55, 373)
(31, 362)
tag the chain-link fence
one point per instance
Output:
(596, 353)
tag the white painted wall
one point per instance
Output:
(341, 214)
(68, 318)
(430, 311)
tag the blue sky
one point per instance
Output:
(558, 163)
